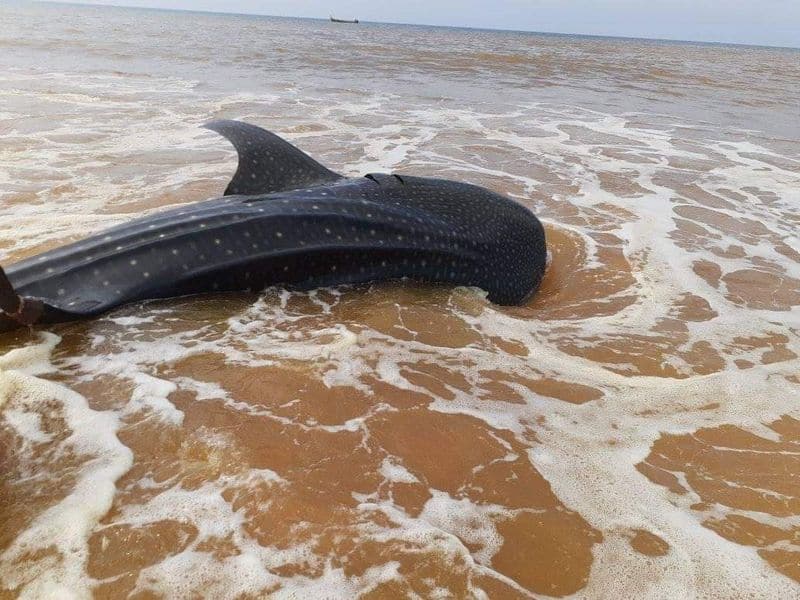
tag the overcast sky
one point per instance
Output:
(768, 22)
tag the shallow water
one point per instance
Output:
(633, 431)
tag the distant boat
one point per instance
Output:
(335, 20)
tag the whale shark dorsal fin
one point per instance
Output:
(268, 163)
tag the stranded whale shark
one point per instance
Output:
(286, 219)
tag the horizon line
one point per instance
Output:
(364, 22)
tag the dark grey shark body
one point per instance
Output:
(286, 219)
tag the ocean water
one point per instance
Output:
(631, 432)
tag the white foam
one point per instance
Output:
(395, 472)
(66, 526)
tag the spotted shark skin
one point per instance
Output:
(285, 219)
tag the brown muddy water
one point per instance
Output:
(632, 432)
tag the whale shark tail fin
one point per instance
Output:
(16, 309)
(268, 163)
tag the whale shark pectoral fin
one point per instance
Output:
(268, 163)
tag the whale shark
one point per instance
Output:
(285, 219)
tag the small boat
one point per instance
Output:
(335, 20)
